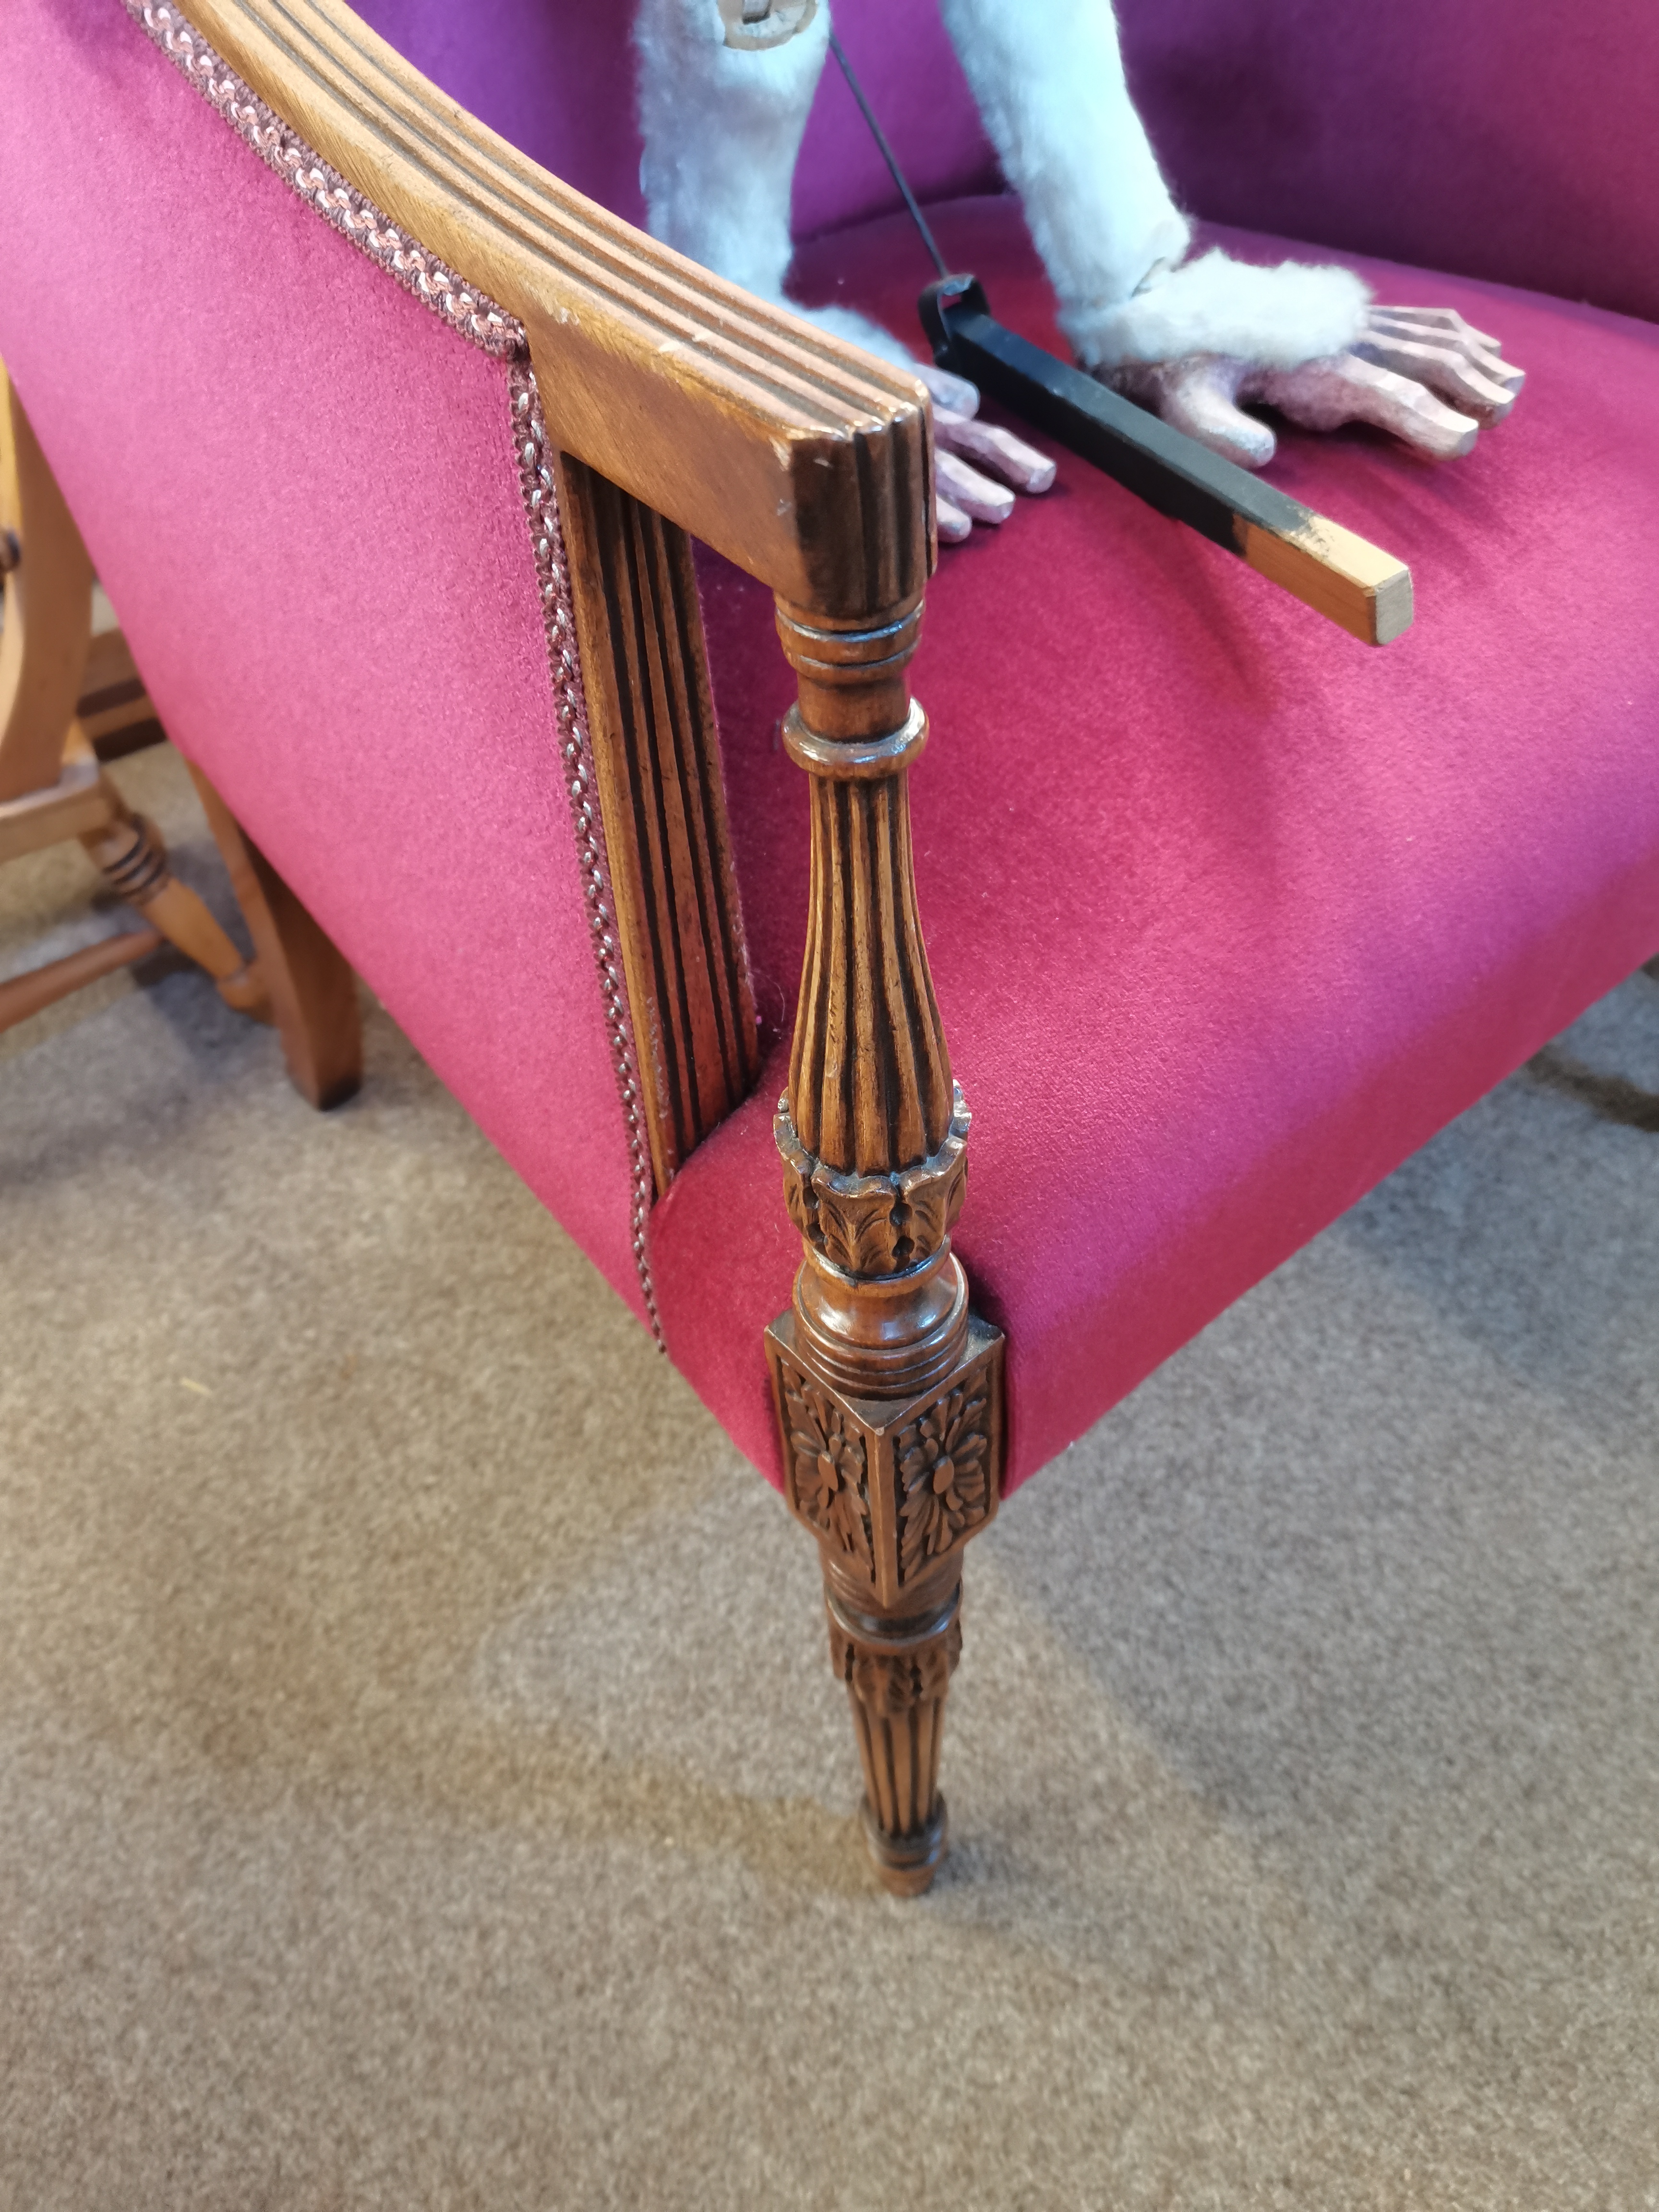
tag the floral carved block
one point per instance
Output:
(891, 1488)
(944, 1465)
(829, 1470)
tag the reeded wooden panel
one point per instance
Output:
(656, 755)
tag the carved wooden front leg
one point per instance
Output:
(889, 1391)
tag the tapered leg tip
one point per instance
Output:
(907, 1864)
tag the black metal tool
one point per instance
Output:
(1340, 575)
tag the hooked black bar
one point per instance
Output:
(1355, 583)
(1163, 466)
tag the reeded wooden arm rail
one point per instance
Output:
(800, 458)
(683, 406)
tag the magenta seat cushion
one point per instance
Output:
(1228, 914)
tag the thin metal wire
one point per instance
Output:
(888, 155)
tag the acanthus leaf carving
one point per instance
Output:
(875, 1224)
(889, 1683)
(798, 1195)
(856, 1220)
(930, 1201)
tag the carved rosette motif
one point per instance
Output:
(943, 1466)
(891, 1489)
(830, 1470)
(876, 1225)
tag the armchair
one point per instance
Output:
(393, 449)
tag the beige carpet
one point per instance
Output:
(421, 1783)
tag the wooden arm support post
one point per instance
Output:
(676, 405)
(889, 1392)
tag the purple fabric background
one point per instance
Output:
(557, 80)
(1500, 138)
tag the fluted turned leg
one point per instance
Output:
(888, 1389)
(897, 1672)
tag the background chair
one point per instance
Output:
(1226, 916)
(52, 786)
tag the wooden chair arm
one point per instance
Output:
(799, 457)
(679, 405)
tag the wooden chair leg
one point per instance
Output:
(887, 1389)
(46, 579)
(129, 850)
(313, 991)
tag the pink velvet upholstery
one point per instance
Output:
(1227, 913)
(1500, 138)
(300, 489)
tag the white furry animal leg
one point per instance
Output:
(1050, 85)
(722, 129)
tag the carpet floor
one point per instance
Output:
(421, 1782)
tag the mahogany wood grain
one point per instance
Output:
(656, 753)
(311, 989)
(887, 1390)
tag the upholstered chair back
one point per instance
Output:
(301, 473)
(1493, 137)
